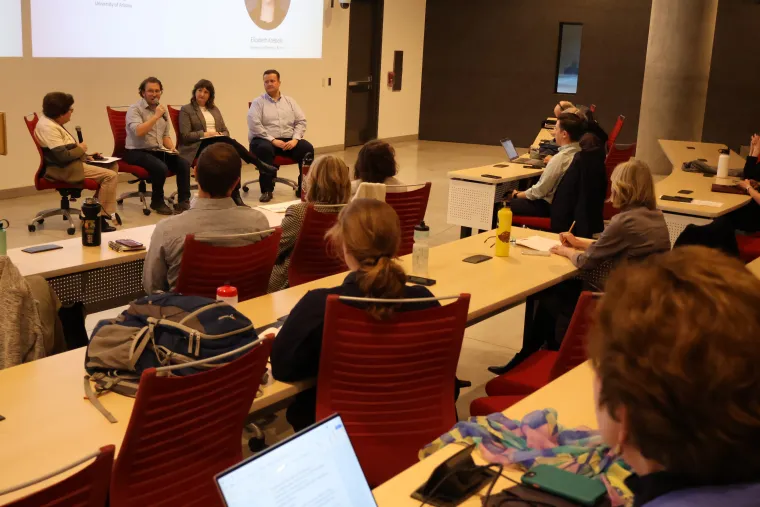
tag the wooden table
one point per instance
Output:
(754, 267)
(571, 395)
(98, 276)
(678, 215)
(495, 285)
(544, 134)
(50, 423)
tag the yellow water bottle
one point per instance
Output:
(504, 231)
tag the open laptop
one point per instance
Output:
(509, 147)
(317, 466)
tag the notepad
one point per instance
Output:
(711, 204)
(280, 207)
(538, 243)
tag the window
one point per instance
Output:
(568, 57)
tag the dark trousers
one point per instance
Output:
(158, 164)
(548, 316)
(527, 208)
(720, 234)
(266, 151)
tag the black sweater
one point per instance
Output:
(296, 350)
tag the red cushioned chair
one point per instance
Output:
(279, 161)
(410, 206)
(184, 430)
(618, 153)
(174, 117)
(392, 381)
(615, 132)
(749, 246)
(544, 366)
(311, 258)
(491, 404)
(68, 192)
(209, 262)
(118, 121)
(86, 488)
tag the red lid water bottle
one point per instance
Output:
(228, 294)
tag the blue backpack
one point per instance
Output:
(162, 330)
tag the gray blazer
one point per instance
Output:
(192, 126)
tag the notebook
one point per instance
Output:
(317, 466)
(538, 243)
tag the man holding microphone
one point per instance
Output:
(149, 146)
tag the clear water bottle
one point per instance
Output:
(228, 294)
(421, 249)
(4, 224)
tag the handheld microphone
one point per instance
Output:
(79, 134)
(157, 103)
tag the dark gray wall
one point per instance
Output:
(489, 66)
(733, 93)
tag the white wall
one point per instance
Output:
(403, 30)
(96, 83)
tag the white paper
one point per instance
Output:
(538, 243)
(712, 204)
(105, 161)
(280, 207)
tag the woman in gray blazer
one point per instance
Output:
(198, 119)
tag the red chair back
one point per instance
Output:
(391, 381)
(174, 117)
(311, 258)
(206, 266)
(31, 124)
(185, 430)
(86, 488)
(410, 207)
(617, 155)
(615, 132)
(572, 352)
(118, 122)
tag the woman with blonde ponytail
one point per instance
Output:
(367, 237)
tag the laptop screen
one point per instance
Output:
(509, 148)
(317, 466)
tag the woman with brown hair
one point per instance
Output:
(376, 163)
(199, 119)
(675, 353)
(326, 184)
(367, 236)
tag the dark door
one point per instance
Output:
(365, 35)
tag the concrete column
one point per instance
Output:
(677, 70)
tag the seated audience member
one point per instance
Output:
(66, 160)
(149, 146)
(212, 211)
(368, 235)
(585, 113)
(721, 232)
(536, 201)
(326, 183)
(376, 163)
(676, 383)
(638, 231)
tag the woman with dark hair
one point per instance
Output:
(376, 163)
(67, 161)
(198, 119)
(367, 236)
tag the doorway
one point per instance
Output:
(365, 43)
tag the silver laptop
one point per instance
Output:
(509, 147)
(317, 466)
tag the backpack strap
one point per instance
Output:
(96, 402)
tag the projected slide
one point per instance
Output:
(177, 28)
(10, 28)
